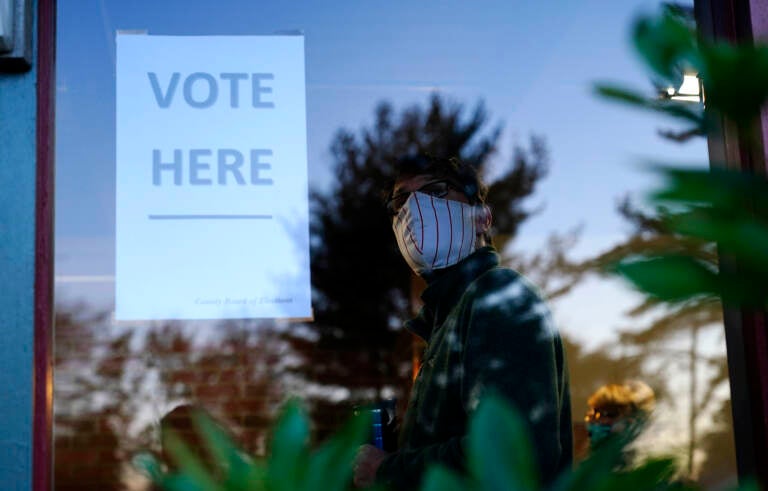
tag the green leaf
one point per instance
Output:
(621, 94)
(670, 278)
(220, 445)
(190, 466)
(246, 476)
(331, 464)
(501, 456)
(666, 45)
(181, 482)
(651, 475)
(675, 278)
(439, 478)
(721, 188)
(750, 484)
(148, 465)
(597, 471)
(289, 451)
(676, 109)
(735, 79)
(242, 472)
(741, 236)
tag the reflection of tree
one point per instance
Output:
(687, 321)
(112, 386)
(550, 268)
(233, 375)
(719, 446)
(86, 441)
(355, 349)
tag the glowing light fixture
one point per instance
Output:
(690, 90)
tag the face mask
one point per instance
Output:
(598, 432)
(434, 233)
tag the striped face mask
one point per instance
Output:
(434, 233)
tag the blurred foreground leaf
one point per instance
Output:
(735, 79)
(665, 44)
(242, 472)
(193, 475)
(291, 466)
(441, 479)
(148, 465)
(500, 451)
(290, 449)
(741, 236)
(670, 277)
(331, 464)
(501, 457)
(717, 187)
(676, 109)
(718, 208)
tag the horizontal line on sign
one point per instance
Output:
(209, 217)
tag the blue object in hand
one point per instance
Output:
(378, 437)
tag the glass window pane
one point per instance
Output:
(508, 86)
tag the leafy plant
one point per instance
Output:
(718, 206)
(291, 465)
(735, 77)
(500, 457)
(700, 249)
(710, 207)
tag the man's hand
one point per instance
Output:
(367, 462)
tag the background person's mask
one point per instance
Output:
(434, 233)
(598, 432)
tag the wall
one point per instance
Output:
(17, 272)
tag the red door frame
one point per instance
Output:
(742, 21)
(42, 419)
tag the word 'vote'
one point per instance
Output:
(201, 90)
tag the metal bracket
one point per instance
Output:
(15, 35)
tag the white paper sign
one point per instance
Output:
(212, 208)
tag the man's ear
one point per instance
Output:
(483, 219)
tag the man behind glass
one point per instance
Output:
(486, 329)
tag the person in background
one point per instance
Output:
(613, 408)
(487, 329)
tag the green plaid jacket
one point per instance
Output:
(486, 328)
